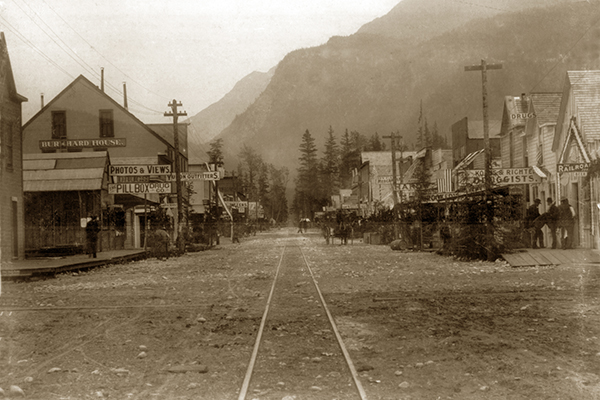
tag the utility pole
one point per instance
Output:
(176, 114)
(393, 148)
(484, 67)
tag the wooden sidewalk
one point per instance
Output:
(532, 257)
(49, 266)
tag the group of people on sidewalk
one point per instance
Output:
(558, 218)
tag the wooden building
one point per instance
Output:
(576, 144)
(84, 119)
(12, 231)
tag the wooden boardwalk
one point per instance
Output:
(53, 265)
(531, 257)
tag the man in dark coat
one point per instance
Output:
(566, 223)
(551, 218)
(537, 236)
(91, 232)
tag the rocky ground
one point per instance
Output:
(417, 326)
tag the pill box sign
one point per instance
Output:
(139, 188)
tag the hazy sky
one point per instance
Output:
(193, 51)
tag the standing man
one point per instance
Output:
(551, 218)
(91, 232)
(566, 223)
(535, 231)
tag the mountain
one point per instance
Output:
(374, 80)
(209, 122)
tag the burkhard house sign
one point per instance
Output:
(81, 143)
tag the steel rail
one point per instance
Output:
(250, 369)
(349, 362)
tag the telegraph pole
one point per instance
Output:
(484, 67)
(394, 187)
(176, 114)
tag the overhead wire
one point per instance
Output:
(26, 41)
(101, 55)
(76, 57)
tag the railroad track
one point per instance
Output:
(321, 364)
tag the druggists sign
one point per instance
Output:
(81, 143)
(501, 177)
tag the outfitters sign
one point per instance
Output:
(81, 143)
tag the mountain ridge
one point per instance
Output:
(372, 82)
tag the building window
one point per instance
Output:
(107, 128)
(7, 133)
(510, 150)
(59, 124)
(525, 152)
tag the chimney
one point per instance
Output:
(42, 99)
(125, 95)
(524, 102)
(102, 79)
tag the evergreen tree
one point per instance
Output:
(306, 198)
(375, 143)
(420, 133)
(346, 160)
(330, 167)
(278, 207)
(215, 154)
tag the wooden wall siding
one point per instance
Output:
(12, 183)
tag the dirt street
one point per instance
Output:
(417, 326)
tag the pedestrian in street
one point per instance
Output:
(534, 230)
(551, 218)
(92, 229)
(162, 241)
(566, 223)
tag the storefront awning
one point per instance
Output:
(540, 171)
(64, 171)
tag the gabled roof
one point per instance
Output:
(586, 96)
(5, 63)
(64, 171)
(90, 84)
(546, 107)
(514, 106)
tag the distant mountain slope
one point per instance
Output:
(374, 82)
(209, 122)
(423, 19)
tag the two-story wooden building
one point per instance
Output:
(58, 140)
(12, 231)
(576, 144)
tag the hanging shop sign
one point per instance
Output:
(195, 176)
(132, 178)
(138, 170)
(572, 167)
(501, 177)
(139, 188)
(81, 143)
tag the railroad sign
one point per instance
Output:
(168, 205)
(195, 176)
(572, 167)
(139, 188)
(123, 170)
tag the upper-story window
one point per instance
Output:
(59, 124)
(7, 133)
(107, 127)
